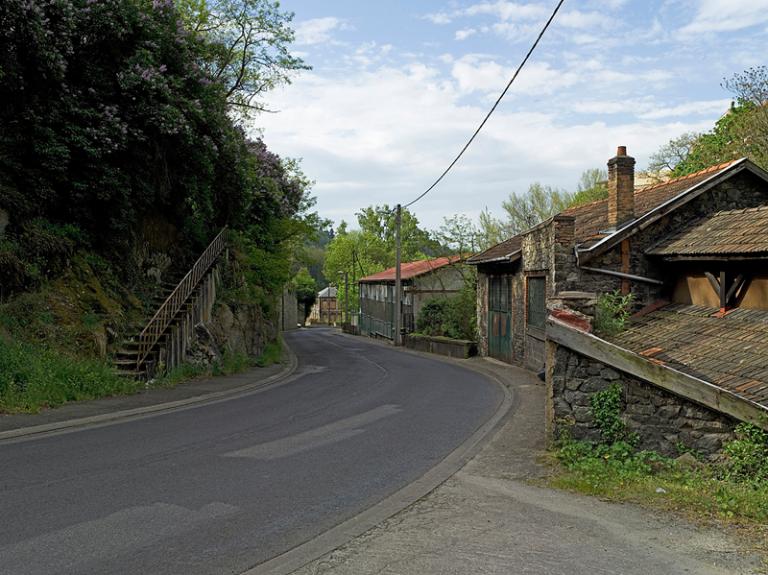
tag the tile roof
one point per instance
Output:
(733, 232)
(508, 250)
(729, 352)
(592, 219)
(411, 269)
(330, 291)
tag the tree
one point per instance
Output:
(527, 210)
(378, 224)
(741, 131)
(751, 90)
(491, 230)
(673, 153)
(247, 47)
(306, 291)
(458, 234)
(593, 186)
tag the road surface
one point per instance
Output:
(222, 487)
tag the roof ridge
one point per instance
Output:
(708, 170)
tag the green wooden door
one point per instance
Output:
(500, 318)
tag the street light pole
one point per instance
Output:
(398, 279)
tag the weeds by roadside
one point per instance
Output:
(733, 489)
(273, 353)
(33, 377)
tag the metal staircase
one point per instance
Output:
(162, 343)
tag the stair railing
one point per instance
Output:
(165, 314)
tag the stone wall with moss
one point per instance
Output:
(664, 422)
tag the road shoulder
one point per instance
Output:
(152, 401)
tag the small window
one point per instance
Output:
(536, 302)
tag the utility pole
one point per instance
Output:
(345, 316)
(398, 281)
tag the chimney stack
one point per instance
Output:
(621, 189)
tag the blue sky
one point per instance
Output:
(397, 87)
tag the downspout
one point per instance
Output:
(615, 273)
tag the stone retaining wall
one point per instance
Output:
(665, 422)
(441, 345)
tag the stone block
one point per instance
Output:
(710, 443)
(610, 374)
(582, 414)
(593, 384)
(668, 411)
(573, 384)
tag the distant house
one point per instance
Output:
(421, 280)
(325, 310)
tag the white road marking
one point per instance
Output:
(325, 435)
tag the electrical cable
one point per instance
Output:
(493, 109)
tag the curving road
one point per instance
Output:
(222, 487)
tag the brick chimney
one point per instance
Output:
(621, 189)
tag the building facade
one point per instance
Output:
(421, 281)
(631, 242)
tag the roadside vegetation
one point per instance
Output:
(123, 153)
(731, 489)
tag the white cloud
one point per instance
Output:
(465, 33)
(476, 73)
(727, 15)
(507, 11)
(318, 30)
(439, 18)
(382, 134)
(584, 20)
(698, 108)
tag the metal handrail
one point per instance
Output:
(166, 313)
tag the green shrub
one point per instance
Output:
(747, 455)
(606, 407)
(453, 317)
(612, 312)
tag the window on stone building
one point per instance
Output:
(536, 302)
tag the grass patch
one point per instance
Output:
(33, 377)
(273, 353)
(732, 490)
(619, 473)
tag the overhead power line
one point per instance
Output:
(493, 109)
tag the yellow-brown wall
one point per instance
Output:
(695, 289)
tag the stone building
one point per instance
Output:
(692, 250)
(422, 281)
(326, 309)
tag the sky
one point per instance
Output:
(397, 87)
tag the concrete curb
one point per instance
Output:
(107, 418)
(341, 534)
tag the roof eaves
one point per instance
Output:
(584, 255)
(510, 257)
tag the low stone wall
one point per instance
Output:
(441, 345)
(664, 422)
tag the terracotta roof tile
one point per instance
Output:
(411, 269)
(733, 232)
(726, 351)
(592, 219)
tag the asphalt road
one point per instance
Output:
(222, 487)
